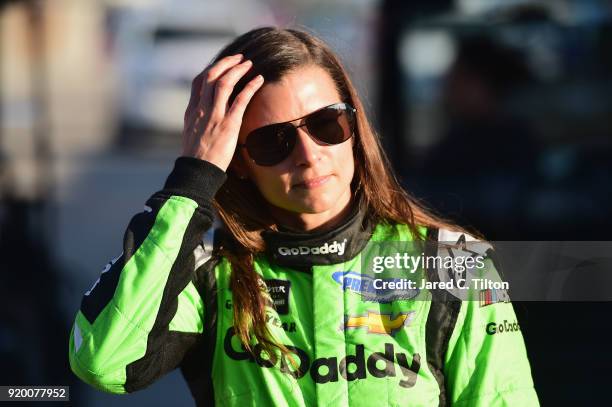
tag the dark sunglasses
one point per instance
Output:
(271, 144)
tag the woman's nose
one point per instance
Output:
(306, 151)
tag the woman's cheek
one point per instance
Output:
(347, 171)
(274, 189)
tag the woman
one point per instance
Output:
(282, 311)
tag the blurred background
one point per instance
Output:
(496, 113)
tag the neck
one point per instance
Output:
(313, 222)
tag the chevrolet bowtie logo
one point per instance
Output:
(379, 323)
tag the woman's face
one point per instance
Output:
(312, 185)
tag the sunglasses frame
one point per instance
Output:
(302, 122)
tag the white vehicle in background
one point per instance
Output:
(159, 47)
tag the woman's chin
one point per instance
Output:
(316, 204)
(310, 206)
(319, 202)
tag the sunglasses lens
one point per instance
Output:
(331, 125)
(271, 144)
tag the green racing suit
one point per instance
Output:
(165, 303)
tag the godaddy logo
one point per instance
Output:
(495, 328)
(351, 367)
(326, 248)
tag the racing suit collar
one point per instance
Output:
(303, 249)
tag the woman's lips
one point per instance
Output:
(313, 182)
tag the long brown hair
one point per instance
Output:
(275, 52)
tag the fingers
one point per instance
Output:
(213, 73)
(225, 86)
(223, 65)
(198, 85)
(236, 112)
(211, 129)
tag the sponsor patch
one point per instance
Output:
(377, 323)
(363, 285)
(279, 294)
(274, 320)
(492, 296)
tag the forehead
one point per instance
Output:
(298, 93)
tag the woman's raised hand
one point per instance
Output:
(211, 126)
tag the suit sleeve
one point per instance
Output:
(145, 312)
(486, 363)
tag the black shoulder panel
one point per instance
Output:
(197, 364)
(441, 321)
(166, 349)
(96, 299)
